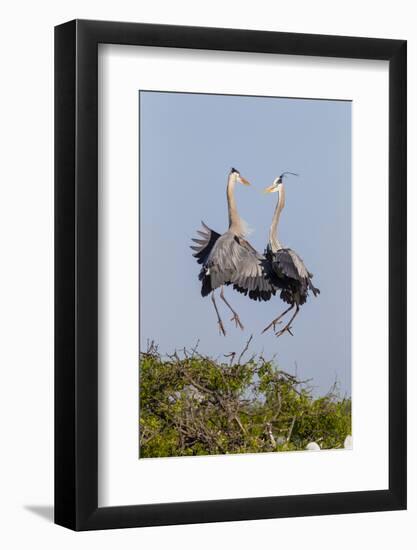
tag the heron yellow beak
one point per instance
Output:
(270, 189)
(242, 180)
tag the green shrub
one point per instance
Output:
(191, 404)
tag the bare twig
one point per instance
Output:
(291, 429)
(232, 356)
(245, 349)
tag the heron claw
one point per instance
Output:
(285, 329)
(221, 328)
(271, 325)
(237, 321)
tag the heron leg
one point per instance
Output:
(275, 321)
(287, 327)
(219, 321)
(235, 317)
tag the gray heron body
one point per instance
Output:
(229, 259)
(290, 274)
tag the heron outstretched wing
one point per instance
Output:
(227, 259)
(252, 275)
(204, 243)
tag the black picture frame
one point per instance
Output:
(76, 272)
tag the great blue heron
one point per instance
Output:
(229, 259)
(289, 272)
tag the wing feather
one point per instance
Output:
(205, 244)
(291, 270)
(228, 259)
(251, 276)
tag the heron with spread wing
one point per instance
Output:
(290, 274)
(229, 259)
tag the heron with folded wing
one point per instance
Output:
(290, 274)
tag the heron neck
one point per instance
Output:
(235, 223)
(273, 231)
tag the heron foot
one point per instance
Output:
(271, 325)
(277, 321)
(221, 328)
(285, 329)
(237, 321)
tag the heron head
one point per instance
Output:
(277, 182)
(236, 174)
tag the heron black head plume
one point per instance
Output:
(233, 170)
(285, 173)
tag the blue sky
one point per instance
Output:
(188, 143)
